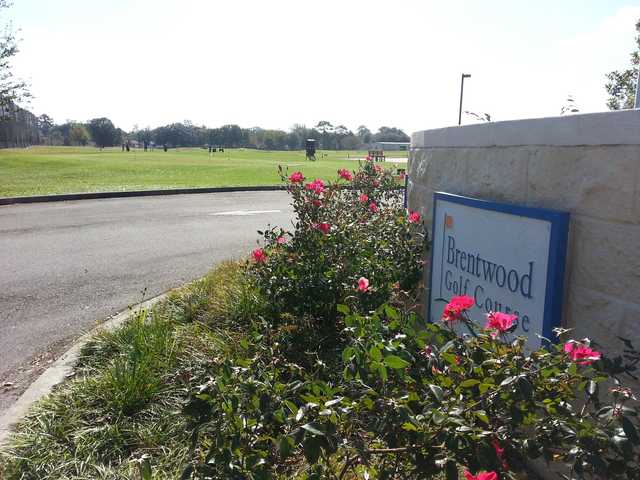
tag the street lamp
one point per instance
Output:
(464, 75)
(637, 102)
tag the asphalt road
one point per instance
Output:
(66, 265)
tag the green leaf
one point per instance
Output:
(437, 392)
(507, 381)
(343, 309)
(409, 426)
(482, 415)
(605, 412)
(393, 361)
(630, 430)
(285, 446)
(470, 383)
(333, 402)
(484, 387)
(438, 417)
(450, 358)
(374, 352)
(391, 312)
(314, 428)
(347, 354)
(311, 449)
(591, 388)
(291, 406)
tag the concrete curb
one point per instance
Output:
(61, 369)
(136, 193)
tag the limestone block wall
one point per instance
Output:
(586, 164)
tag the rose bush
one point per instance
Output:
(337, 238)
(379, 393)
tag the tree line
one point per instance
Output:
(22, 128)
(328, 136)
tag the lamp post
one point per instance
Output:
(637, 102)
(464, 75)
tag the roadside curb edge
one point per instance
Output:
(61, 368)
(135, 193)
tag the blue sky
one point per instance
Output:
(273, 63)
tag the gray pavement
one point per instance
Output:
(65, 266)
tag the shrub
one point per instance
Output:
(390, 396)
(416, 400)
(353, 228)
(482, 401)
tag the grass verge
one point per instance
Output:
(122, 410)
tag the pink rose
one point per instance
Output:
(259, 256)
(324, 227)
(501, 322)
(364, 198)
(316, 186)
(456, 306)
(377, 168)
(580, 353)
(296, 177)
(414, 217)
(346, 174)
(373, 207)
(481, 476)
(281, 240)
(363, 284)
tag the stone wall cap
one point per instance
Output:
(620, 127)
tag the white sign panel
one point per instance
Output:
(508, 258)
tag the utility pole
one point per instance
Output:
(464, 75)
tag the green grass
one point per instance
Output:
(124, 403)
(49, 170)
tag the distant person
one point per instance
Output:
(123, 146)
(128, 146)
(146, 145)
(165, 147)
(210, 148)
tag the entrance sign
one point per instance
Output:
(508, 258)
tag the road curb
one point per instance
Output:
(61, 369)
(63, 197)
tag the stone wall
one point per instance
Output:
(588, 165)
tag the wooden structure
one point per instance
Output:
(376, 155)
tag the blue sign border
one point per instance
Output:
(557, 250)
